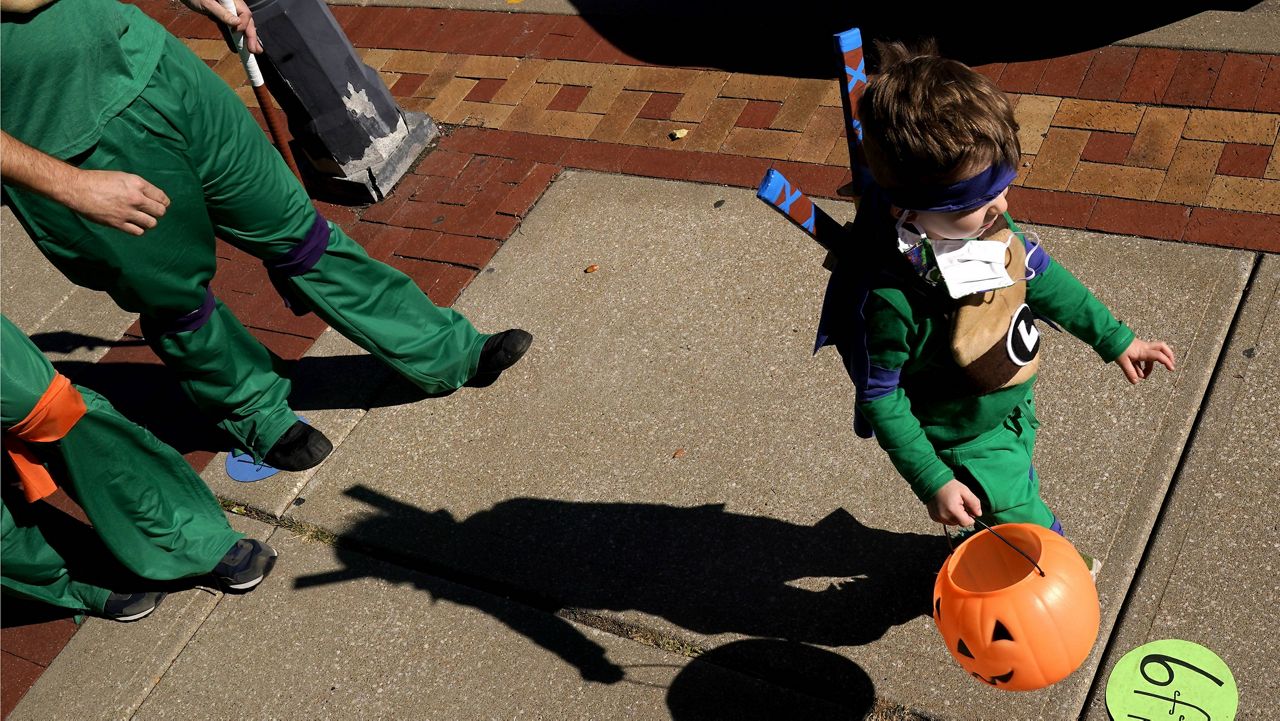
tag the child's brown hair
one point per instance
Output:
(931, 121)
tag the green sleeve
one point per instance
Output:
(897, 430)
(25, 374)
(1060, 297)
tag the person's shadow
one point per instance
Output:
(704, 569)
(794, 39)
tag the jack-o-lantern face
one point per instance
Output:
(999, 633)
(1007, 625)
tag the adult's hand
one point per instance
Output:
(21, 6)
(240, 21)
(122, 201)
(117, 200)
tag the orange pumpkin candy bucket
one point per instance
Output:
(1017, 622)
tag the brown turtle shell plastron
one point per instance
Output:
(993, 339)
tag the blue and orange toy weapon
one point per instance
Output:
(849, 45)
(779, 193)
(789, 200)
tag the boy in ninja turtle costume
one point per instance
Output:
(934, 316)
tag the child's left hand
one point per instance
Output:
(1138, 360)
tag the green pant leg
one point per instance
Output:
(31, 568)
(383, 311)
(1021, 505)
(999, 462)
(257, 204)
(164, 275)
(25, 374)
(231, 377)
(151, 510)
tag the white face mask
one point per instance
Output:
(966, 266)
(972, 266)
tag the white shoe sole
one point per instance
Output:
(138, 615)
(246, 585)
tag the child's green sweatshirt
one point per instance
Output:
(918, 399)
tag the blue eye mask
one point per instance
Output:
(964, 195)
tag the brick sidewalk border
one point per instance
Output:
(1097, 154)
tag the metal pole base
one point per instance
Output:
(350, 137)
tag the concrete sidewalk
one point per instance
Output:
(669, 473)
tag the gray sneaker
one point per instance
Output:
(245, 565)
(125, 607)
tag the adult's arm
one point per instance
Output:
(22, 6)
(117, 200)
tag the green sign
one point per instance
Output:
(1173, 680)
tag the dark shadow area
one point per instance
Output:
(794, 39)
(149, 395)
(21, 612)
(146, 393)
(63, 341)
(829, 686)
(704, 569)
(349, 381)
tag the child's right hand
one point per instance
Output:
(1139, 359)
(954, 505)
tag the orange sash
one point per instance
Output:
(57, 411)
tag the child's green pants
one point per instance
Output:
(997, 466)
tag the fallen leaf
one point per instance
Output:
(591, 268)
(678, 454)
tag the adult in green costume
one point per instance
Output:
(151, 510)
(94, 87)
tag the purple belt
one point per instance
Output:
(154, 328)
(298, 260)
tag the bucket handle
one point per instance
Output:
(997, 535)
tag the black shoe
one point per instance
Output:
(245, 565)
(127, 607)
(301, 447)
(500, 352)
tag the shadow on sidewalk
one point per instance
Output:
(794, 39)
(702, 691)
(148, 393)
(64, 341)
(704, 569)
